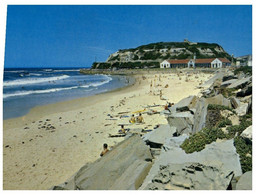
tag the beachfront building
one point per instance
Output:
(174, 64)
(192, 63)
(165, 64)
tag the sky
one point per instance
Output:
(75, 36)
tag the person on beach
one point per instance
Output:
(167, 106)
(132, 120)
(140, 119)
(105, 150)
(122, 129)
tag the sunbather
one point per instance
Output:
(132, 120)
(122, 129)
(140, 119)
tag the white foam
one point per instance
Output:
(72, 70)
(30, 81)
(108, 79)
(23, 93)
(34, 74)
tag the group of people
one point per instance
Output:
(138, 119)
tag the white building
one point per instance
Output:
(165, 64)
(192, 63)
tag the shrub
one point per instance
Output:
(224, 122)
(219, 107)
(232, 130)
(198, 141)
(244, 69)
(245, 152)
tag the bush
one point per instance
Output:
(219, 107)
(198, 141)
(224, 122)
(245, 152)
(244, 69)
(232, 130)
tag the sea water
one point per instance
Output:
(24, 89)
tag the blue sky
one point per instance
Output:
(73, 36)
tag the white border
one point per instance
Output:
(3, 10)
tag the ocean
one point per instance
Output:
(24, 89)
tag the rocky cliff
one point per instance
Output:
(152, 54)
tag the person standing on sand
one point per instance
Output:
(105, 150)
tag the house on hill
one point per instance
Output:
(193, 63)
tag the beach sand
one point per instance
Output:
(36, 158)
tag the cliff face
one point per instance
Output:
(152, 54)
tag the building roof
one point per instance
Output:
(224, 60)
(178, 61)
(198, 61)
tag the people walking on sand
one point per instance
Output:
(140, 119)
(132, 119)
(105, 149)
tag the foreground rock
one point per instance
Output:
(240, 83)
(219, 100)
(123, 168)
(221, 155)
(157, 137)
(247, 134)
(211, 81)
(190, 176)
(183, 121)
(245, 181)
(185, 104)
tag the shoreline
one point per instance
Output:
(37, 158)
(46, 109)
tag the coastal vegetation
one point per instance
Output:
(150, 55)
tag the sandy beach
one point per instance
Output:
(37, 157)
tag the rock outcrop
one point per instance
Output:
(157, 137)
(245, 181)
(190, 176)
(247, 134)
(122, 168)
(221, 155)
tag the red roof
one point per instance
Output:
(204, 61)
(225, 60)
(178, 61)
(198, 61)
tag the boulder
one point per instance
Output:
(221, 155)
(157, 137)
(190, 176)
(242, 109)
(249, 108)
(229, 76)
(200, 115)
(122, 168)
(210, 82)
(234, 102)
(240, 83)
(227, 83)
(219, 100)
(245, 181)
(247, 134)
(183, 121)
(185, 104)
(245, 91)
